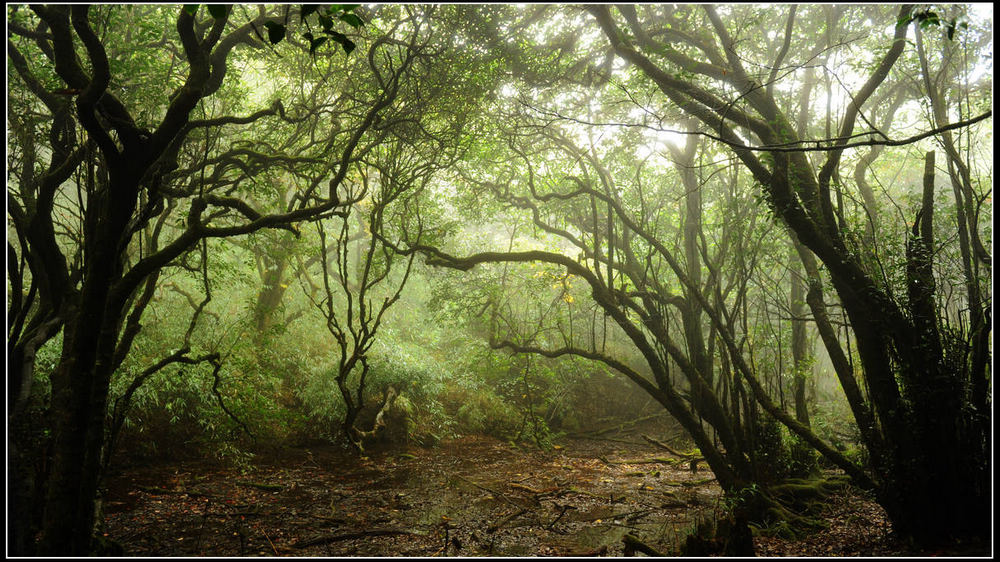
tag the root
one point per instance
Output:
(786, 509)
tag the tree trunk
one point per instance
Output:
(81, 380)
(79, 394)
(800, 361)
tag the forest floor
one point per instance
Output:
(474, 496)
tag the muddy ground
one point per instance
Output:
(474, 496)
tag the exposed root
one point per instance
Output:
(784, 509)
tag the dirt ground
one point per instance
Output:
(473, 496)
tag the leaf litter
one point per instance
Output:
(473, 496)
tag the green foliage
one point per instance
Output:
(927, 19)
(769, 452)
(506, 99)
(325, 16)
(482, 411)
(802, 459)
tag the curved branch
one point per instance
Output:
(21, 66)
(776, 65)
(822, 145)
(874, 81)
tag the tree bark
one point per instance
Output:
(931, 446)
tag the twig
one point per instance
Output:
(562, 512)
(531, 490)
(667, 448)
(327, 539)
(620, 426)
(821, 145)
(155, 490)
(505, 520)
(656, 460)
(495, 494)
(628, 515)
(269, 541)
(261, 486)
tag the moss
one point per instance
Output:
(801, 493)
(785, 510)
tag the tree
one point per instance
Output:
(929, 444)
(616, 224)
(361, 275)
(119, 155)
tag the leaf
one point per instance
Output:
(307, 9)
(218, 11)
(352, 20)
(928, 19)
(275, 32)
(326, 22)
(313, 45)
(342, 39)
(191, 9)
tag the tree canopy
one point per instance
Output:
(253, 223)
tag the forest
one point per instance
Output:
(499, 280)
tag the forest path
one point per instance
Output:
(470, 496)
(474, 496)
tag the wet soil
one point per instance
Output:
(471, 496)
(474, 496)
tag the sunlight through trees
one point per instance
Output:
(241, 227)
